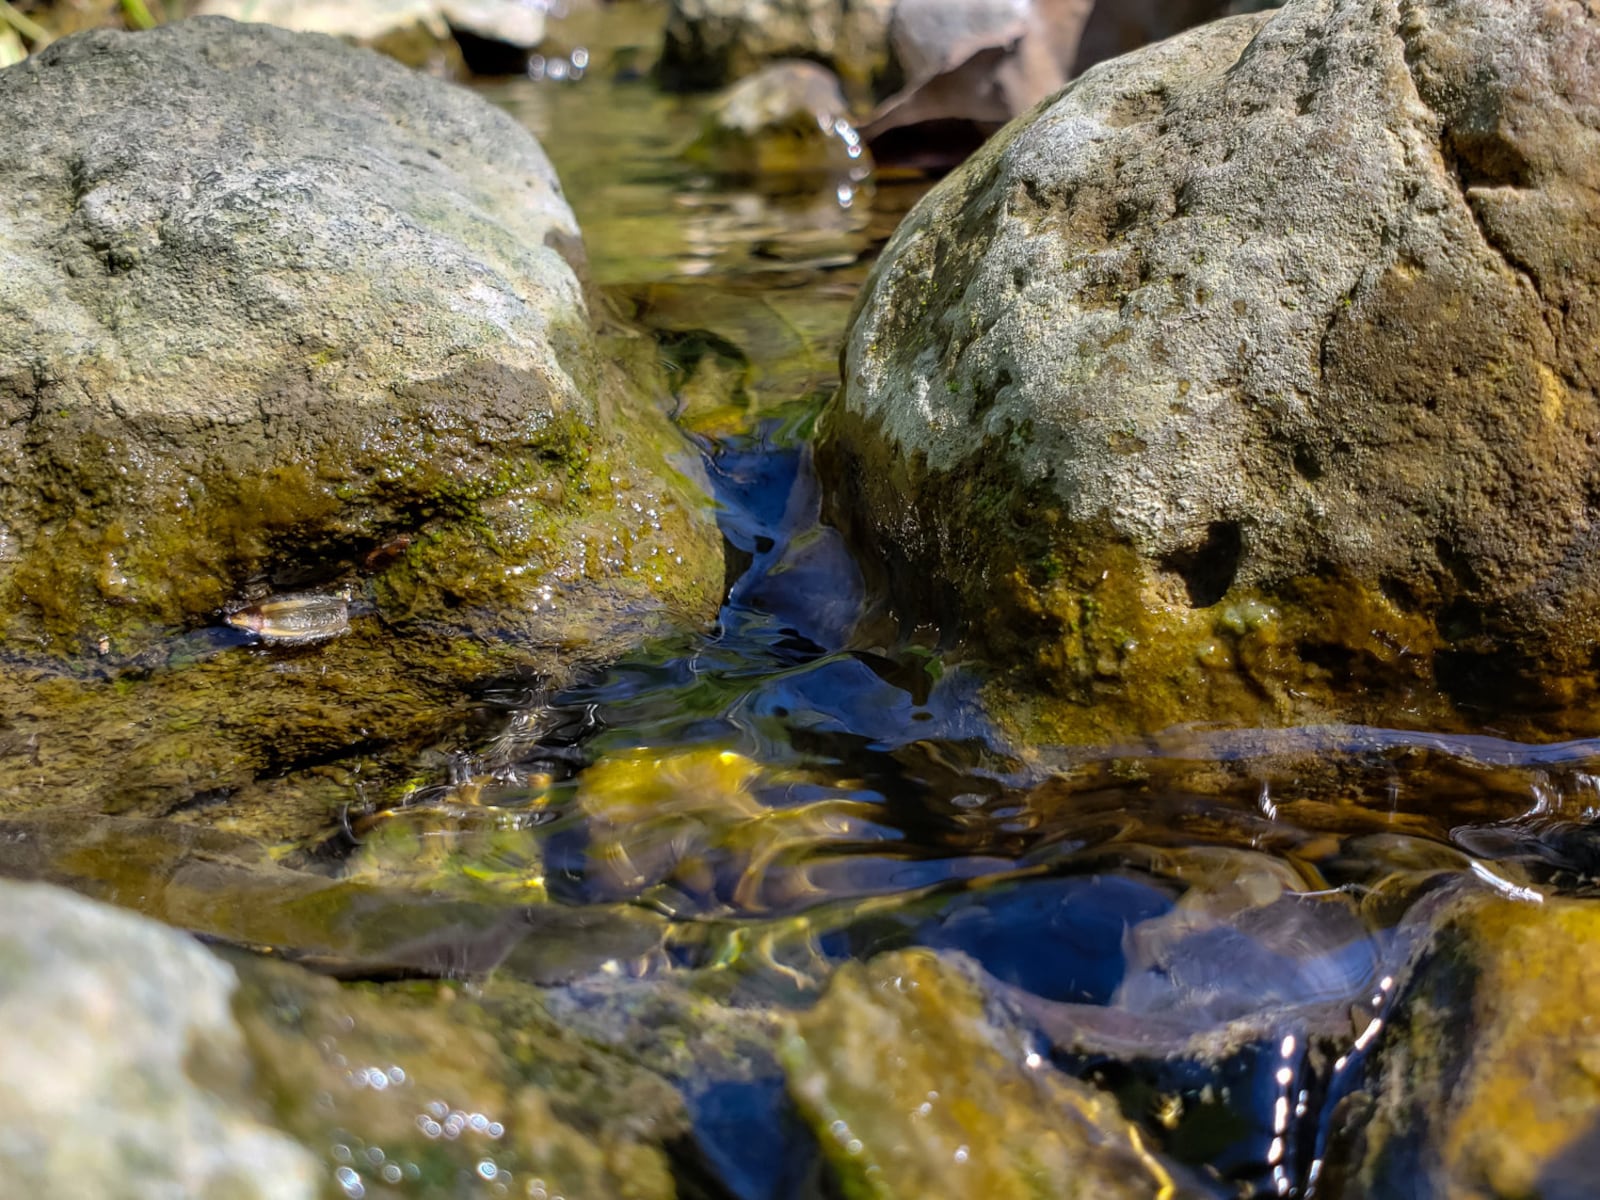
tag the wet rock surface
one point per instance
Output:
(124, 1071)
(419, 33)
(1252, 379)
(284, 317)
(425, 1092)
(711, 43)
(789, 119)
(955, 69)
(910, 1083)
(1508, 1109)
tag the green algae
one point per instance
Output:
(914, 1087)
(421, 1090)
(1088, 641)
(542, 565)
(1508, 1111)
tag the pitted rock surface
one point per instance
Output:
(1258, 369)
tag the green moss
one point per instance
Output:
(1089, 641)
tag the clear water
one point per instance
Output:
(1198, 877)
(806, 783)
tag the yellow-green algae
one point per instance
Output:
(1489, 1076)
(552, 563)
(914, 1089)
(662, 824)
(1090, 642)
(427, 1082)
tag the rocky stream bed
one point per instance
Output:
(565, 635)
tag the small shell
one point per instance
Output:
(302, 617)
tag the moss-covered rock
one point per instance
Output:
(1486, 1081)
(279, 315)
(1253, 379)
(915, 1088)
(421, 1091)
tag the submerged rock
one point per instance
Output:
(122, 1071)
(916, 1088)
(1485, 1083)
(283, 317)
(788, 119)
(426, 1092)
(691, 830)
(1253, 379)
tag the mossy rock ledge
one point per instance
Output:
(1253, 379)
(279, 315)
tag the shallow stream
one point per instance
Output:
(807, 782)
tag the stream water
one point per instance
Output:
(804, 784)
(807, 783)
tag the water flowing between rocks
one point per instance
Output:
(1210, 923)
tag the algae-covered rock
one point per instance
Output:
(229, 889)
(281, 316)
(425, 1092)
(326, 324)
(1486, 1081)
(788, 119)
(122, 1071)
(915, 1087)
(1254, 377)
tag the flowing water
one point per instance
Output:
(806, 783)
(803, 784)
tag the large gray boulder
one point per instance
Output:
(122, 1070)
(278, 315)
(1254, 377)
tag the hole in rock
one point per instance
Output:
(1208, 569)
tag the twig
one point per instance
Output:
(31, 30)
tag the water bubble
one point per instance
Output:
(350, 1183)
